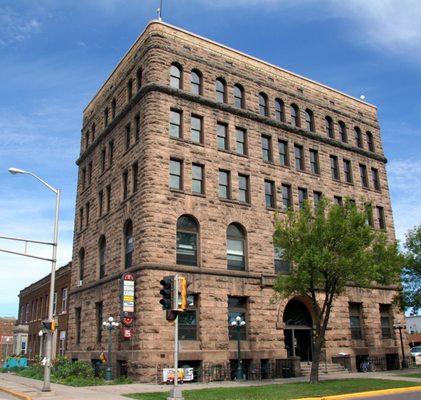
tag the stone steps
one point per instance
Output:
(329, 368)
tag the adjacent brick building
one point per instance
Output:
(6, 337)
(188, 150)
(33, 309)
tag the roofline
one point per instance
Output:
(155, 21)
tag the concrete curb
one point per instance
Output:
(16, 394)
(371, 393)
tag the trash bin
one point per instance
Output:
(286, 372)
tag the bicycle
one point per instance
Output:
(368, 366)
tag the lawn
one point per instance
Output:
(282, 391)
(413, 375)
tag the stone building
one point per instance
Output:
(187, 151)
(6, 337)
(33, 309)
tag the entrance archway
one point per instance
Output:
(297, 330)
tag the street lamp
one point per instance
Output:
(238, 323)
(41, 336)
(110, 325)
(399, 327)
(49, 345)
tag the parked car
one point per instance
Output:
(415, 351)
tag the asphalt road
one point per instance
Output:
(402, 396)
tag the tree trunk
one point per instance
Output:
(317, 349)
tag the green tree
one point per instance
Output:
(330, 248)
(411, 274)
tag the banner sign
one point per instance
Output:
(184, 375)
(127, 296)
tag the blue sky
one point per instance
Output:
(55, 55)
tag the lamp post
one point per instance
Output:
(238, 323)
(399, 327)
(41, 336)
(110, 325)
(49, 345)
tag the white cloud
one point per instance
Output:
(15, 27)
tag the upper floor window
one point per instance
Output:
(188, 320)
(238, 96)
(314, 161)
(355, 314)
(113, 108)
(334, 167)
(224, 184)
(197, 175)
(358, 137)
(243, 188)
(329, 127)
(363, 175)
(129, 89)
(176, 178)
(139, 78)
(295, 116)
(263, 104)
(175, 76)
(283, 152)
(196, 82)
(237, 307)
(269, 194)
(347, 171)
(299, 157)
(380, 217)
(222, 136)
(106, 113)
(196, 129)
(302, 197)
(102, 256)
(187, 240)
(240, 141)
(370, 142)
(375, 178)
(309, 120)
(64, 293)
(220, 88)
(128, 244)
(266, 148)
(317, 197)
(279, 110)
(175, 123)
(236, 244)
(282, 265)
(386, 321)
(342, 131)
(81, 263)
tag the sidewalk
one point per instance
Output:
(32, 387)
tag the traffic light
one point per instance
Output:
(48, 325)
(182, 294)
(167, 292)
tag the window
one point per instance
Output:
(135, 172)
(128, 136)
(88, 211)
(176, 181)
(110, 153)
(355, 320)
(286, 197)
(334, 167)
(81, 263)
(128, 244)
(224, 184)
(269, 194)
(220, 88)
(338, 200)
(238, 96)
(342, 132)
(197, 179)
(380, 217)
(236, 248)
(363, 175)
(347, 171)
(314, 161)
(263, 104)
(102, 256)
(89, 173)
(106, 112)
(86, 139)
(299, 157)
(54, 305)
(175, 76)
(78, 320)
(64, 300)
(83, 178)
(279, 110)
(175, 124)
(196, 129)
(237, 307)
(139, 78)
(370, 142)
(302, 197)
(113, 108)
(309, 120)
(137, 127)
(317, 197)
(375, 178)
(369, 214)
(103, 159)
(266, 148)
(295, 116)
(187, 240)
(386, 321)
(282, 265)
(62, 343)
(329, 127)
(125, 184)
(358, 137)
(80, 218)
(222, 136)
(283, 153)
(243, 188)
(240, 141)
(129, 89)
(196, 82)
(108, 190)
(98, 317)
(93, 131)
(187, 321)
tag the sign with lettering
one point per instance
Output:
(127, 296)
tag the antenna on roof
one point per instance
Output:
(159, 11)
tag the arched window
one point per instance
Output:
(220, 88)
(358, 137)
(263, 104)
(129, 89)
(370, 142)
(128, 244)
(139, 78)
(102, 256)
(196, 82)
(295, 116)
(113, 108)
(93, 131)
(187, 239)
(309, 120)
(329, 127)
(238, 96)
(342, 132)
(236, 248)
(175, 76)
(81, 263)
(279, 110)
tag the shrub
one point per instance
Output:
(64, 368)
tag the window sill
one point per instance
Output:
(233, 153)
(179, 191)
(232, 201)
(203, 195)
(189, 141)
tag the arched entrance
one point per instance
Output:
(297, 330)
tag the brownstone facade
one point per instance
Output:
(124, 200)
(33, 309)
